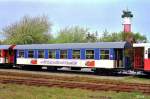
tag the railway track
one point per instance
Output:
(72, 82)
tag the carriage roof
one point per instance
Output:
(5, 46)
(73, 45)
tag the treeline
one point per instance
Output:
(37, 30)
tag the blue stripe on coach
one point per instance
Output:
(69, 54)
(46, 54)
(97, 53)
(82, 53)
(57, 54)
(35, 53)
(26, 53)
(112, 54)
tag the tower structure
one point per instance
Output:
(127, 16)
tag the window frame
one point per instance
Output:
(86, 54)
(52, 54)
(43, 53)
(104, 54)
(33, 53)
(19, 53)
(66, 53)
(79, 53)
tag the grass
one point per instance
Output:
(13, 91)
(137, 79)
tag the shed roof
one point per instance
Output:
(5, 46)
(73, 45)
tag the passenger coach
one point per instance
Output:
(106, 55)
(7, 54)
(142, 57)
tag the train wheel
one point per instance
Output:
(98, 71)
(75, 68)
(31, 67)
(50, 68)
(147, 73)
(6, 66)
(105, 72)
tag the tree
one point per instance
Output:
(73, 34)
(110, 37)
(29, 30)
(105, 36)
(115, 37)
(140, 38)
(91, 37)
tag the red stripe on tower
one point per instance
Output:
(127, 27)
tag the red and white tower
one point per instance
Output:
(127, 15)
(127, 24)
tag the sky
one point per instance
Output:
(97, 15)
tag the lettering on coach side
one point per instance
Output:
(58, 62)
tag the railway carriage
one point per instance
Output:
(104, 55)
(7, 54)
(98, 56)
(142, 57)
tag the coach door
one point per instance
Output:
(118, 58)
(9, 56)
(139, 57)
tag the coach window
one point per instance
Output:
(30, 54)
(40, 53)
(149, 53)
(52, 54)
(21, 53)
(63, 54)
(104, 54)
(89, 54)
(76, 54)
